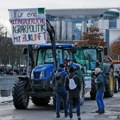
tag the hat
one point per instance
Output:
(71, 70)
(97, 70)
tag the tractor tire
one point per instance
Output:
(93, 90)
(110, 87)
(20, 96)
(116, 84)
(40, 101)
(82, 92)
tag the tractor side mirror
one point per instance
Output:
(25, 51)
(105, 51)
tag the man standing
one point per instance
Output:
(60, 90)
(72, 85)
(100, 91)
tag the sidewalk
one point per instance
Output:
(6, 99)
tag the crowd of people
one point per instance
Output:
(9, 70)
(68, 86)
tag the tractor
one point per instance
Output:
(92, 54)
(39, 85)
(116, 74)
(43, 63)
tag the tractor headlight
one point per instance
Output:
(42, 74)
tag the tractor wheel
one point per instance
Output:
(20, 96)
(82, 92)
(40, 101)
(116, 84)
(110, 88)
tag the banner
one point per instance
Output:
(28, 26)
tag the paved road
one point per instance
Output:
(8, 112)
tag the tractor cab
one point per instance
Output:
(92, 55)
(45, 66)
(45, 55)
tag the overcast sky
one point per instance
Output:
(51, 4)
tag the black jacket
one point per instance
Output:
(75, 92)
(100, 82)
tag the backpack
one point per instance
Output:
(72, 84)
(59, 79)
(106, 84)
(105, 79)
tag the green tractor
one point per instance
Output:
(89, 56)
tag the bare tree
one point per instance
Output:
(9, 54)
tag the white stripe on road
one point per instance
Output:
(6, 108)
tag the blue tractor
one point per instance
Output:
(44, 60)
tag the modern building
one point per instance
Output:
(70, 24)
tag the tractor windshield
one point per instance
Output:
(45, 56)
(91, 57)
(90, 54)
(86, 56)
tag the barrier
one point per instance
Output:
(6, 85)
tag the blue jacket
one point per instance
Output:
(63, 75)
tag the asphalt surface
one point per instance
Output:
(112, 108)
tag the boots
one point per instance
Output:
(101, 111)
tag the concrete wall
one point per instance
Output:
(6, 84)
(84, 26)
(103, 24)
(96, 24)
(118, 23)
(63, 35)
(69, 31)
(114, 34)
(57, 30)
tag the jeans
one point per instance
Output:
(61, 93)
(99, 100)
(77, 103)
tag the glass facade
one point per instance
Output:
(77, 27)
(112, 24)
(71, 29)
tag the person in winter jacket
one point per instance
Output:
(73, 94)
(60, 90)
(100, 91)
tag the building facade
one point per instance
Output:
(70, 24)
